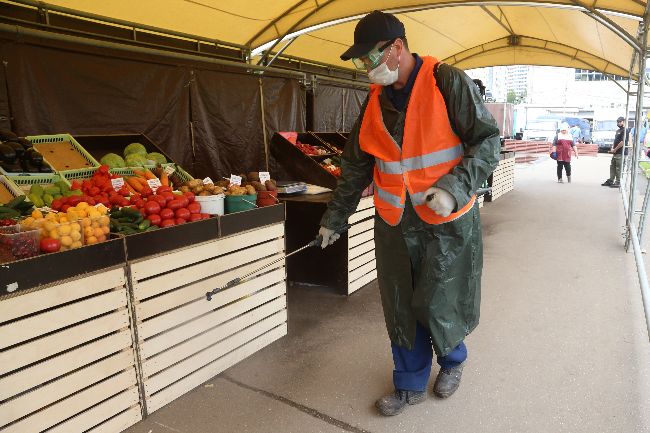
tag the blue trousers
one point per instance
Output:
(413, 367)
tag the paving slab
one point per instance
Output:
(561, 347)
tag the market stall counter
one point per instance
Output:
(348, 264)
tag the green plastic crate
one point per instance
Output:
(60, 138)
(12, 187)
(23, 182)
(79, 174)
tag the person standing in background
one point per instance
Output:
(620, 140)
(563, 147)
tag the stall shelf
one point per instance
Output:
(348, 264)
(67, 360)
(502, 179)
(183, 339)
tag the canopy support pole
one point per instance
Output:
(266, 142)
(623, 166)
(637, 131)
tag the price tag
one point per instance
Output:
(207, 180)
(264, 176)
(235, 180)
(169, 170)
(154, 184)
(117, 183)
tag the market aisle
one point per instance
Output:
(562, 345)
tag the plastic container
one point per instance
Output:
(89, 161)
(239, 203)
(21, 245)
(267, 198)
(212, 204)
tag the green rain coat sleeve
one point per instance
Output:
(477, 130)
(356, 174)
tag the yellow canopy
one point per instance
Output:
(588, 34)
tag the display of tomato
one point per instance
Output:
(194, 207)
(183, 213)
(167, 223)
(195, 217)
(160, 200)
(162, 189)
(151, 207)
(49, 245)
(174, 205)
(180, 221)
(190, 196)
(166, 214)
(155, 219)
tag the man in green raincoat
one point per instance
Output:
(428, 243)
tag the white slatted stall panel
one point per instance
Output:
(67, 362)
(184, 339)
(503, 178)
(361, 246)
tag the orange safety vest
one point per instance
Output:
(430, 149)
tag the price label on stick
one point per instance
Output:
(154, 184)
(264, 176)
(207, 180)
(169, 170)
(118, 183)
(235, 180)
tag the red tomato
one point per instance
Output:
(163, 188)
(155, 219)
(183, 200)
(159, 199)
(49, 245)
(180, 221)
(65, 208)
(205, 216)
(142, 212)
(190, 196)
(56, 204)
(166, 214)
(174, 205)
(167, 223)
(195, 217)
(168, 196)
(139, 203)
(152, 207)
(194, 207)
(182, 213)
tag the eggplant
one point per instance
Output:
(7, 153)
(11, 167)
(6, 134)
(17, 147)
(25, 143)
(34, 157)
(29, 167)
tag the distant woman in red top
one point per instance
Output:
(563, 147)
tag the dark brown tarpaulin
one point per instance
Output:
(56, 87)
(336, 108)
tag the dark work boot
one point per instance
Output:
(447, 381)
(615, 185)
(395, 403)
(608, 182)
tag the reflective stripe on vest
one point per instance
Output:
(430, 150)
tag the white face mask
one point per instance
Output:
(382, 75)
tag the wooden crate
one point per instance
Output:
(503, 178)
(67, 361)
(185, 340)
(362, 268)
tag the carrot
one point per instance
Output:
(133, 182)
(139, 173)
(164, 179)
(130, 188)
(148, 174)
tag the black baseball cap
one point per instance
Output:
(621, 119)
(374, 27)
